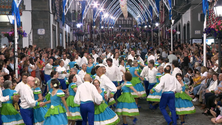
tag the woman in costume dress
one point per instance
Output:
(126, 105)
(89, 66)
(136, 81)
(183, 102)
(155, 97)
(73, 107)
(53, 75)
(56, 114)
(103, 114)
(9, 114)
(39, 112)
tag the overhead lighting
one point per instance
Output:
(157, 24)
(149, 25)
(102, 27)
(145, 26)
(95, 4)
(101, 9)
(79, 25)
(106, 15)
(172, 21)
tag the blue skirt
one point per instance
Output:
(140, 89)
(39, 114)
(184, 106)
(127, 109)
(12, 119)
(59, 119)
(108, 116)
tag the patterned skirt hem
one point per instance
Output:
(114, 121)
(185, 112)
(128, 114)
(153, 100)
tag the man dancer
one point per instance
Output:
(169, 85)
(86, 96)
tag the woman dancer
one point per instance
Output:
(126, 105)
(73, 107)
(103, 114)
(56, 114)
(183, 101)
(136, 82)
(9, 114)
(39, 112)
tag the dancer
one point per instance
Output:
(155, 97)
(56, 114)
(73, 107)
(28, 101)
(53, 75)
(62, 74)
(86, 96)
(126, 105)
(103, 114)
(89, 66)
(39, 112)
(169, 85)
(136, 82)
(183, 104)
(9, 114)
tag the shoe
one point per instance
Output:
(156, 106)
(134, 121)
(138, 106)
(195, 99)
(182, 123)
(205, 113)
(125, 124)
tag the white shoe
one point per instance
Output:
(195, 99)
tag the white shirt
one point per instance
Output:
(48, 69)
(78, 61)
(152, 75)
(3, 98)
(60, 70)
(95, 56)
(66, 63)
(130, 57)
(113, 73)
(82, 75)
(87, 92)
(106, 84)
(27, 97)
(104, 62)
(175, 71)
(145, 73)
(123, 68)
(168, 83)
(172, 57)
(79, 80)
(84, 61)
(212, 86)
(5, 70)
(116, 62)
(19, 86)
(151, 57)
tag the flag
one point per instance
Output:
(205, 6)
(123, 6)
(170, 9)
(16, 13)
(83, 3)
(63, 13)
(158, 5)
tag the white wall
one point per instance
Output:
(26, 20)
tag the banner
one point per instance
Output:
(205, 6)
(63, 12)
(123, 6)
(16, 13)
(170, 9)
(83, 3)
(158, 5)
